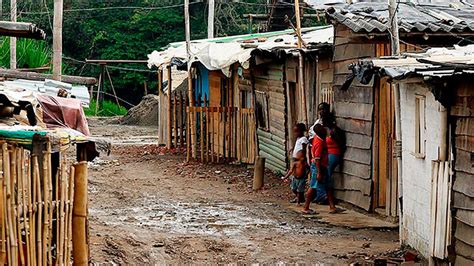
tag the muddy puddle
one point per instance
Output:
(201, 218)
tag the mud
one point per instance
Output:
(149, 207)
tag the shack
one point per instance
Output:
(437, 128)
(248, 92)
(368, 177)
(43, 203)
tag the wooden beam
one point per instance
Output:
(105, 61)
(15, 74)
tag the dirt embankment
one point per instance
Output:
(144, 114)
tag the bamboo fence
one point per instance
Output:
(223, 134)
(36, 207)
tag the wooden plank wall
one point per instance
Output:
(354, 114)
(268, 78)
(463, 188)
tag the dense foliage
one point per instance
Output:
(98, 29)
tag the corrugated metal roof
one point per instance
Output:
(436, 62)
(220, 53)
(50, 87)
(365, 17)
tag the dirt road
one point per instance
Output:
(149, 208)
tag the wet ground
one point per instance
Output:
(149, 208)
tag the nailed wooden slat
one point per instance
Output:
(465, 216)
(465, 89)
(362, 171)
(350, 182)
(460, 260)
(462, 201)
(358, 141)
(464, 184)
(342, 67)
(463, 106)
(465, 143)
(353, 50)
(355, 197)
(465, 126)
(465, 233)
(355, 126)
(340, 79)
(273, 137)
(358, 111)
(465, 250)
(358, 155)
(464, 161)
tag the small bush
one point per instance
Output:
(106, 108)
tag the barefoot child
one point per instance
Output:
(299, 166)
(319, 164)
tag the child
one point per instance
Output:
(299, 166)
(319, 164)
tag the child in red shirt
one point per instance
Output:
(319, 166)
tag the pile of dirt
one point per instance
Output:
(144, 114)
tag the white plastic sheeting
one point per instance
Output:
(411, 63)
(221, 53)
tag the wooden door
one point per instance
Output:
(385, 168)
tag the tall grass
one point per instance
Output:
(106, 108)
(30, 53)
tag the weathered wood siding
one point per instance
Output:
(269, 78)
(463, 188)
(354, 113)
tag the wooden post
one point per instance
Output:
(169, 133)
(112, 86)
(57, 39)
(3, 251)
(301, 85)
(259, 173)
(175, 122)
(100, 86)
(298, 22)
(210, 20)
(208, 138)
(182, 107)
(201, 121)
(13, 14)
(79, 220)
(192, 118)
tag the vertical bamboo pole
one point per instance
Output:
(11, 236)
(79, 220)
(3, 250)
(13, 185)
(169, 141)
(31, 228)
(39, 204)
(213, 136)
(176, 118)
(201, 121)
(188, 142)
(24, 206)
(69, 216)
(17, 187)
(207, 128)
(182, 106)
(61, 235)
(46, 200)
